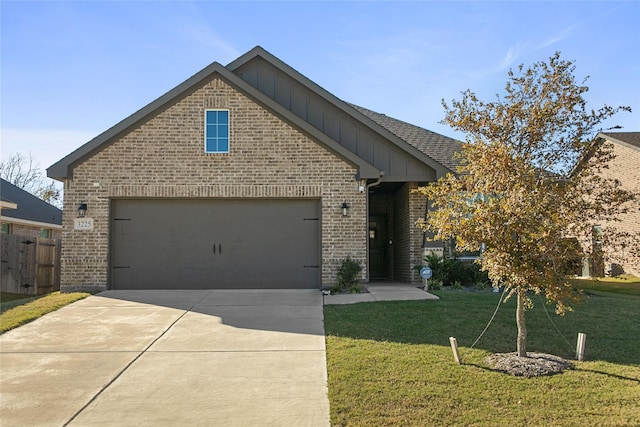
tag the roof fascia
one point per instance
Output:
(598, 140)
(8, 205)
(608, 137)
(64, 168)
(30, 223)
(258, 51)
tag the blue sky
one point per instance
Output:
(71, 70)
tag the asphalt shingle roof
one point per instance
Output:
(439, 147)
(30, 207)
(632, 138)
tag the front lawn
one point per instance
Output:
(390, 363)
(619, 285)
(17, 311)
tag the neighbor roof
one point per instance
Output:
(628, 139)
(30, 208)
(624, 138)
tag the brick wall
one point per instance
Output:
(27, 231)
(164, 157)
(626, 168)
(408, 208)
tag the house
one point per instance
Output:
(248, 175)
(625, 167)
(26, 215)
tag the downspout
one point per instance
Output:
(369, 185)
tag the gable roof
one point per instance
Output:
(29, 207)
(628, 139)
(439, 147)
(433, 150)
(64, 167)
(412, 145)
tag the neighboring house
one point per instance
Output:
(625, 167)
(247, 176)
(26, 215)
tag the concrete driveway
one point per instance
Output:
(167, 358)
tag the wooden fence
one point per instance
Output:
(30, 265)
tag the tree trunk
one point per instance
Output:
(522, 328)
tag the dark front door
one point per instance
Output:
(209, 244)
(378, 247)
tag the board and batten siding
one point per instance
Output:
(335, 123)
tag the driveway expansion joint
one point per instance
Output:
(123, 370)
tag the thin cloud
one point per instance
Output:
(194, 29)
(555, 38)
(203, 36)
(508, 58)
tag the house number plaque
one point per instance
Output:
(83, 223)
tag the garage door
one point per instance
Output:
(215, 244)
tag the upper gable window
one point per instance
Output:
(216, 131)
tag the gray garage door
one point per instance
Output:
(215, 244)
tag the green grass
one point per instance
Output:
(9, 300)
(390, 363)
(17, 311)
(628, 286)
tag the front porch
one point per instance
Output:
(395, 243)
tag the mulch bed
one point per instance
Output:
(535, 365)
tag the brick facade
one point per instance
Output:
(408, 207)
(164, 158)
(28, 231)
(626, 168)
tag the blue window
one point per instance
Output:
(216, 131)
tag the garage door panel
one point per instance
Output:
(195, 244)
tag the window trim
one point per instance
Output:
(206, 137)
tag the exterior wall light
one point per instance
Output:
(82, 209)
(345, 208)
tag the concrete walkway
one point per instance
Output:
(382, 291)
(169, 358)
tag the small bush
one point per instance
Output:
(434, 284)
(348, 277)
(452, 271)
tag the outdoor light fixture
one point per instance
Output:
(82, 209)
(345, 208)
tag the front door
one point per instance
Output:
(378, 247)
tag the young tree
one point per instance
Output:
(516, 190)
(24, 172)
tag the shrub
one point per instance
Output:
(449, 271)
(434, 284)
(348, 277)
